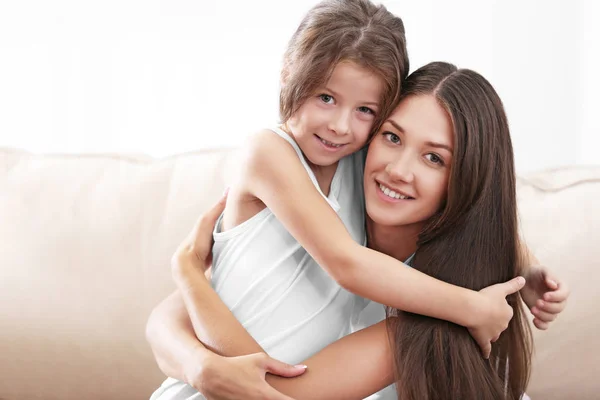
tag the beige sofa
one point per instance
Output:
(85, 243)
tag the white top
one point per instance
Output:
(283, 298)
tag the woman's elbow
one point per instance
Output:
(152, 326)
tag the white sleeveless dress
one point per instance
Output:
(283, 298)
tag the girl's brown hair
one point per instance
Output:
(472, 242)
(344, 30)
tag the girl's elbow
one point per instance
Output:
(341, 269)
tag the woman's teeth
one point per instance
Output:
(325, 142)
(391, 193)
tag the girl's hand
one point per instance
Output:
(229, 378)
(495, 313)
(545, 296)
(196, 248)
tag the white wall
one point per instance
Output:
(162, 77)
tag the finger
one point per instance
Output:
(550, 307)
(513, 286)
(542, 315)
(277, 367)
(540, 324)
(551, 282)
(486, 349)
(209, 218)
(494, 340)
(559, 295)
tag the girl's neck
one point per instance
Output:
(399, 242)
(324, 174)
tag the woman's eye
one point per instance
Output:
(392, 137)
(366, 110)
(325, 98)
(434, 158)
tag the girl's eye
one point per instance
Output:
(325, 98)
(366, 110)
(434, 158)
(392, 137)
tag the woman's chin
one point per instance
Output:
(382, 217)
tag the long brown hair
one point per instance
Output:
(472, 242)
(344, 30)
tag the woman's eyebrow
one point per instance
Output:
(440, 146)
(395, 125)
(430, 144)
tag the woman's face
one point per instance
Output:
(408, 164)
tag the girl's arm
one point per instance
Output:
(544, 294)
(274, 174)
(179, 354)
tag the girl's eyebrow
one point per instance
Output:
(371, 103)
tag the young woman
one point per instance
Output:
(446, 149)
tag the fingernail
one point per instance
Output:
(534, 310)
(301, 366)
(226, 191)
(552, 282)
(521, 280)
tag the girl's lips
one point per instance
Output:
(327, 147)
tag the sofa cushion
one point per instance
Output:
(85, 244)
(560, 218)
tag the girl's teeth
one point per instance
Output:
(329, 143)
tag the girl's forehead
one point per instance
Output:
(357, 81)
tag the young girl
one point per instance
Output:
(280, 241)
(447, 145)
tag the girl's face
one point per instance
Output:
(408, 164)
(337, 119)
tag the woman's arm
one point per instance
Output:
(291, 196)
(351, 368)
(171, 335)
(180, 355)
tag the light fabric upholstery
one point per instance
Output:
(85, 245)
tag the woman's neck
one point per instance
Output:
(399, 242)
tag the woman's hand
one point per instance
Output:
(196, 249)
(545, 295)
(232, 378)
(495, 313)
